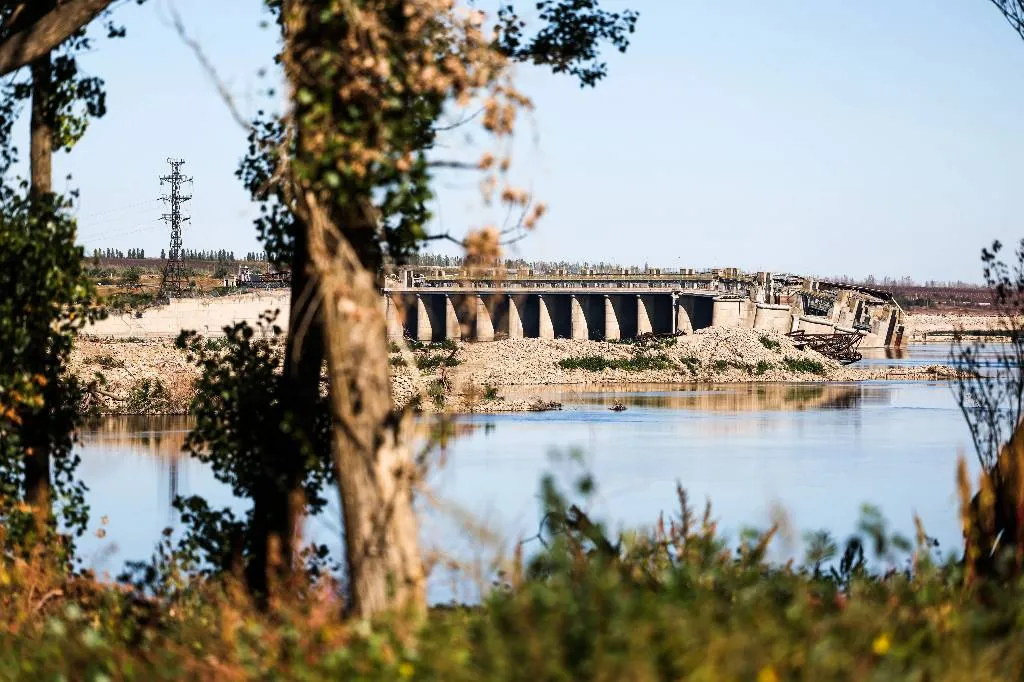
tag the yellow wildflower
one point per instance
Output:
(881, 644)
(767, 674)
(405, 670)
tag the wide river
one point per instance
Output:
(816, 451)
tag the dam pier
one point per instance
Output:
(433, 304)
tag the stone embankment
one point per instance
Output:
(151, 376)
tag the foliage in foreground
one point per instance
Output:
(668, 603)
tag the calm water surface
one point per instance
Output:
(818, 451)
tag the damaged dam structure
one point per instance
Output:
(483, 304)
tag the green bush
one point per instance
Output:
(762, 367)
(429, 362)
(436, 392)
(108, 361)
(128, 301)
(130, 277)
(490, 392)
(148, 396)
(770, 343)
(691, 363)
(804, 365)
(636, 363)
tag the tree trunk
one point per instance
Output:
(37, 461)
(375, 470)
(277, 508)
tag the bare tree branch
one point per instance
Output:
(1013, 11)
(31, 43)
(211, 72)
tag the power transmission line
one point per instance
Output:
(174, 271)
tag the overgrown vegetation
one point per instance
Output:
(770, 343)
(691, 363)
(804, 365)
(108, 361)
(436, 360)
(148, 396)
(437, 392)
(635, 363)
(129, 301)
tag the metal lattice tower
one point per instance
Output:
(174, 283)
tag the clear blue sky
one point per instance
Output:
(879, 137)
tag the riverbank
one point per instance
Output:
(151, 376)
(940, 327)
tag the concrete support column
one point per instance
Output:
(484, 326)
(515, 322)
(424, 332)
(451, 320)
(577, 320)
(611, 321)
(643, 319)
(682, 324)
(392, 319)
(546, 330)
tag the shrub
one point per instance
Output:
(691, 363)
(636, 363)
(770, 343)
(436, 392)
(128, 301)
(429, 362)
(490, 392)
(397, 361)
(108, 361)
(148, 396)
(131, 277)
(762, 367)
(804, 365)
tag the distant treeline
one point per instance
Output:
(444, 261)
(214, 255)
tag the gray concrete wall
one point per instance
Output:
(773, 317)
(208, 316)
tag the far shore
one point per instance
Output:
(151, 376)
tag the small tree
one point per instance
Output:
(990, 392)
(131, 277)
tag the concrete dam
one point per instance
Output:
(480, 307)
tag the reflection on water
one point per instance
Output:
(819, 450)
(731, 397)
(160, 436)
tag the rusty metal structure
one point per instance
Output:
(841, 346)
